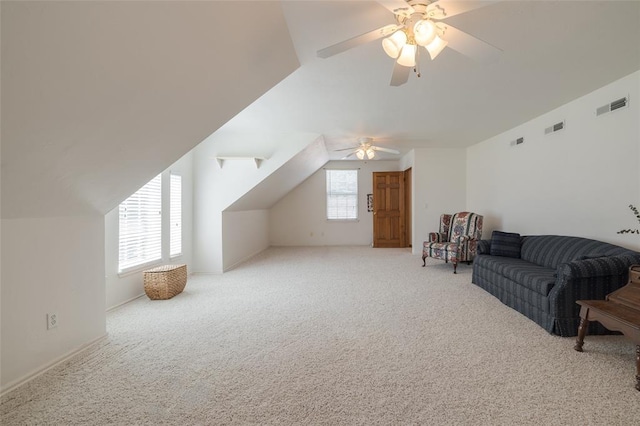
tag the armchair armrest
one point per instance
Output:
(437, 237)
(464, 239)
(467, 247)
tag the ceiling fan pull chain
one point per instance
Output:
(416, 69)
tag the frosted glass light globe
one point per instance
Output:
(370, 153)
(436, 46)
(424, 32)
(393, 44)
(408, 56)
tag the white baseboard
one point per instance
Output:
(125, 302)
(241, 261)
(30, 376)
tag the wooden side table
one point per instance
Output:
(613, 316)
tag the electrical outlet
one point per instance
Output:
(52, 321)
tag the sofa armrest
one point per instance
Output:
(484, 247)
(589, 279)
(598, 267)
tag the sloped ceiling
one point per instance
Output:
(291, 174)
(553, 52)
(98, 97)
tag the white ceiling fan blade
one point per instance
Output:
(400, 75)
(442, 9)
(346, 149)
(357, 41)
(470, 46)
(397, 7)
(348, 156)
(382, 149)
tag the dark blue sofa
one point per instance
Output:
(551, 273)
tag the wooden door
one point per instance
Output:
(388, 209)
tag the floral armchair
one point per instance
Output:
(457, 240)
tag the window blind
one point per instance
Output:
(342, 194)
(141, 226)
(175, 215)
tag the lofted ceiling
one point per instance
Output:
(99, 97)
(553, 52)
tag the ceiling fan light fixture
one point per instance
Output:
(436, 46)
(424, 31)
(360, 154)
(393, 44)
(407, 56)
(370, 153)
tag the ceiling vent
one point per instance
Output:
(517, 142)
(620, 103)
(555, 128)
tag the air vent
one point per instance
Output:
(620, 103)
(555, 128)
(516, 142)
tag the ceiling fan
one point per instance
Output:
(366, 150)
(419, 24)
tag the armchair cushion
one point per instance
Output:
(506, 244)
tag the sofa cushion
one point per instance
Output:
(534, 277)
(505, 244)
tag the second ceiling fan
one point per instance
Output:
(419, 24)
(366, 150)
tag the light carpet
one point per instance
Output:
(332, 335)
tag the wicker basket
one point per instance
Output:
(165, 281)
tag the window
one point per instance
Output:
(175, 215)
(141, 226)
(342, 194)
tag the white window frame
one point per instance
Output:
(140, 227)
(342, 195)
(175, 215)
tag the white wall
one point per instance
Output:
(408, 162)
(49, 265)
(244, 234)
(122, 288)
(439, 185)
(578, 181)
(299, 218)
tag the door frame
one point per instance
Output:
(408, 199)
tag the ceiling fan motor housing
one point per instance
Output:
(421, 13)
